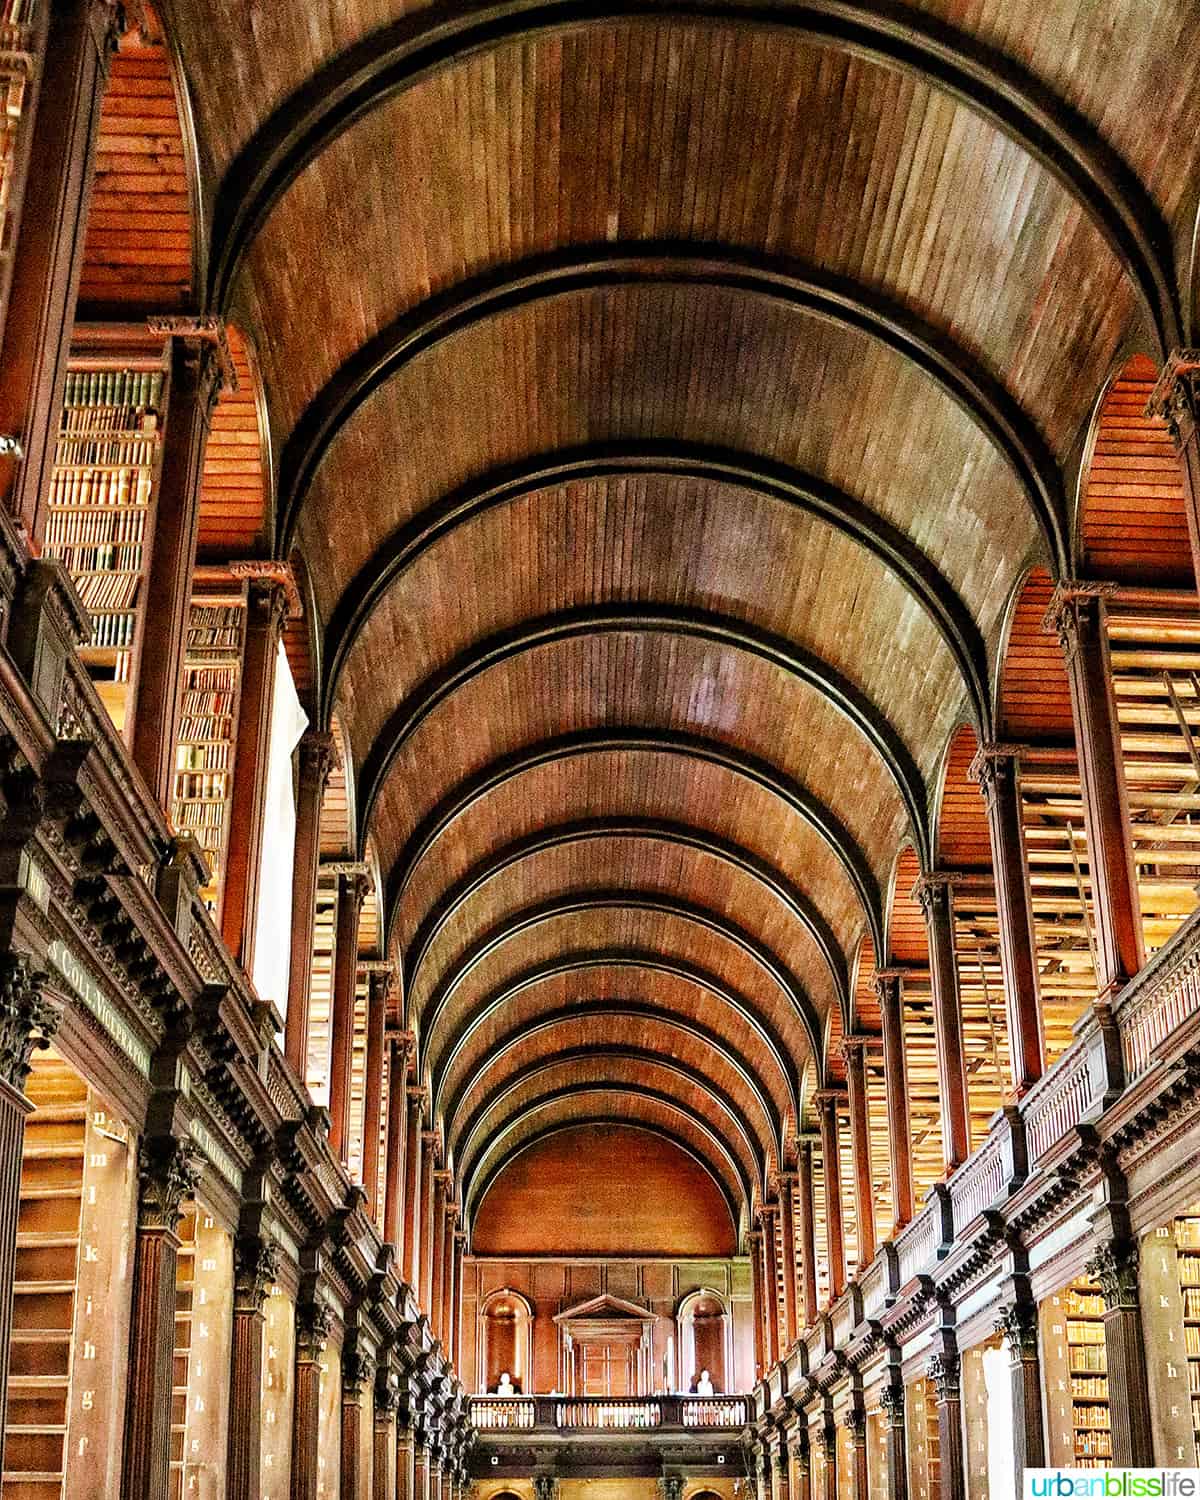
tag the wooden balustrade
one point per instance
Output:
(1159, 999)
(608, 1413)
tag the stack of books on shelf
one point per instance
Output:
(104, 468)
(1091, 1418)
(1187, 1244)
(204, 755)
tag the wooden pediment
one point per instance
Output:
(606, 1309)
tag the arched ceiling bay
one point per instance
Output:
(668, 402)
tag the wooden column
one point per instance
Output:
(854, 1048)
(1018, 1323)
(420, 1466)
(781, 1478)
(47, 254)
(397, 1144)
(1115, 1268)
(827, 1101)
(449, 1284)
(856, 1426)
(358, 1375)
(265, 613)
(383, 1448)
(413, 1189)
(460, 1246)
(429, 1165)
(255, 1262)
(770, 1275)
(351, 893)
(787, 1219)
(801, 1465)
(313, 1322)
(1176, 399)
(1077, 613)
(807, 1228)
(889, 988)
(317, 757)
(199, 363)
(168, 1174)
(944, 1371)
(830, 1454)
(891, 1399)
(27, 1021)
(405, 1483)
(754, 1243)
(437, 1266)
(378, 983)
(934, 891)
(997, 769)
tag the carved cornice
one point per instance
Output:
(169, 1170)
(1175, 398)
(27, 1020)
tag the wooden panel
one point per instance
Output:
(906, 921)
(233, 491)
(963, 841)
(570, 1194)
(138, 252)
(865, 1000)
(1134, 527)
(1035, 701)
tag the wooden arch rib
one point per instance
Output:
(993, 85)
(704, 625)
(680, 835)
(800, 288)
(822, 819)
(772, 481)
(646, 901)
(545, 1027)
(443, 1060)
(735, 1187)
(469, 1148)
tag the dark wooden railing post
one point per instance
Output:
(997, 769)
(889, 988)
(27, 1021)
(1077, 613)
(199, 364)
(828, 1440)
(317, 756)
(827, 1101)
(169, 1171)
(47, 254)
(854, 1048)
(801, 1463)
(1176, 399)
(935, 893)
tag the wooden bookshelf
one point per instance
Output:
(1091, 1419)
(98, 512)
(1187, 1246)
(212, 671)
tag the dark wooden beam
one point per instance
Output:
(440, 687)
(656, 830)
(473, 791)
(774, 482)
(991, 83)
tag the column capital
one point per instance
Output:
(829, 1099)
(891, 1400)
(204, 341)
(358, 1370)
(168, 1171)
(993, 766)
(1115, 1268)
(387, 1390)
(28, 1020)
(1175, 398)
(319, 757)
(933, 891)
(267, 579)
(314, 1324)
(256, 1265)
(944, 1369)
(1017, 1324)
(1066, 614)
(854, 1420)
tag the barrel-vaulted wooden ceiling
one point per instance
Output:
(668, 399)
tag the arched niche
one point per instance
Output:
(705, 1340)
(505, 1340)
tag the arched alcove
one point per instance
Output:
(505, 1340)
(704, 1336)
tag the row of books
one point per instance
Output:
(1093, 1445)
(1194, 1376)
(1187, 1231)
(1189, 1270)
(16, 12)
(120, 481)
(194, 757)
(65, 528)
(128, 391)
(1191, 1342)
(1083, 1304)
(109, 630)
(202, 786)
(1086, 1358)
(202, 729)
(1191, 1302)
(107, 591)
(1090, 1387)
(1093, 1416)
(1085, 1333)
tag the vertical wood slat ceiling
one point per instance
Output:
(233, 489)
(138, 252)
(1134, 527)
(1035, 701)
(963, 841)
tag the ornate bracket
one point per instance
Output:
(27, 1020)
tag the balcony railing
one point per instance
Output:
(607, 1413)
